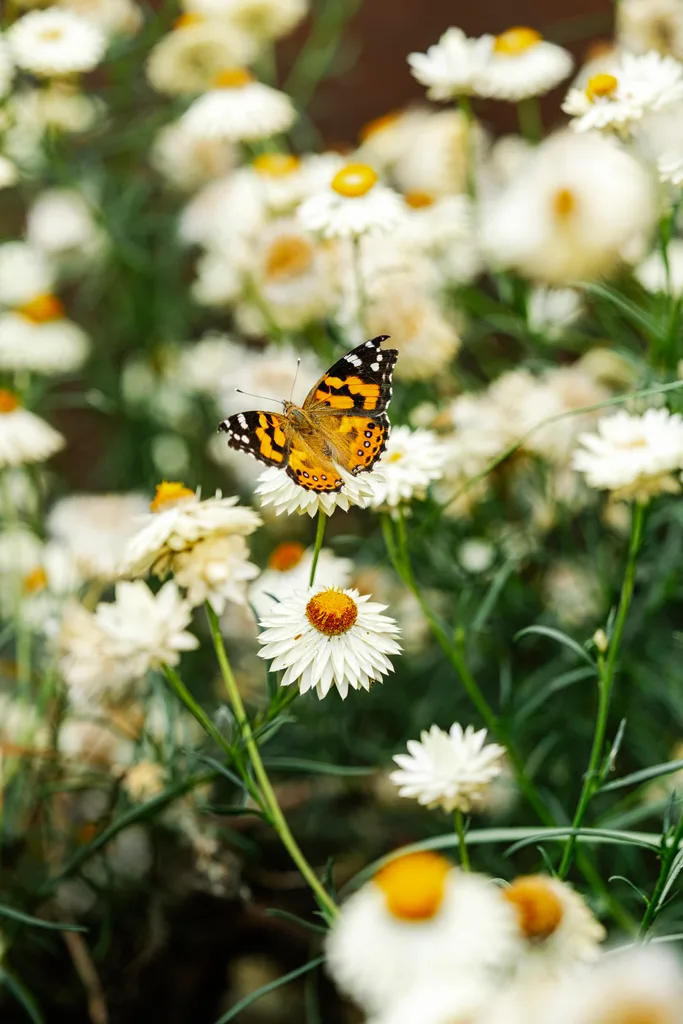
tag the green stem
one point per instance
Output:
(319, 536)
(669, 852)
(529, 117)
(607, 668)
(462, 840)
(184, 695)
(465, 106)
(325, 902)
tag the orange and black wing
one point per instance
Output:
(265, 435)
(357, 384)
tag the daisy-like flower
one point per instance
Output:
(187, 60)
(91, 670)
(61, 223)
(329, 638)
(411, 461)
(115, 17)
(556, 927)
(25, 273)
(24, 437)
(580, 205)
(9, 172)
(275, 488)
(419, 921)
(644, 25)
(55, 42)
(239, 109)
(670, 168)
(634, 457)
(95, 528)
(458, 1000)
(181, 536)
(550, 311)
(38, 337)
(262, 19)
(187, 163)
(636, 86)
(6, 69)
(521, 64)
(452, 66)
(289, 568)
(451, 769)
(655, 276)
(354, 204)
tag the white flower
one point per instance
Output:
(188, 163)
(581, 204)
(550, 311)
(9, 173)
(329, 638)
(452, 66)
(179, 521)
(115, 17)
(557, 928)
(354, 204)
(6, 69)
(61, 222)
(411, 461)
(457, 1000)
(644, 25)
(451, 769)
(446, 230)
(633, 456)
(24, 437)
(289, 569)
(240, 110)
(93, 745)
(263, 19)
(188, 59)
(96, 528)
(25, 273)
(637, 86)
(652, 272)
(420, 920)
(50, 347)
(21, 724)
(521, 64)
(215, 570)
(670, 168)
(55, 42)
(275, 488)
(92, 671)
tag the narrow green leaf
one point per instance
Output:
(561, 638)
(286, 916)
(270, 987)
(293, 764)
(22, 996)
(629, 309)
(38, 922)
(540, 695)
(644, 775)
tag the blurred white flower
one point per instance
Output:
(55, 42)
(670, 168)
(9, 173)
(6, 69)
(445, 229)
(143, 781)
(239, 109)
(215, 569)
(451, 770)
(93, 744)
(452, 66)
(22, 725)
(458, 1000)
(61, 222)
(581, 205)
(550, 311)
(289, 569)
(636, 86)
(115, 17)
(654, 275)
(25, 273)
(411, 461)
(275, 488)
(96, 528)
(24, 437)
(521, 64)
(188, 163)
(633, 456)
(42, 339)
(420, 920)
(476, 555)
(353, 204)
(572, 592)
(188, 59)
(92, 671)
(263, 19)
(644, 25)
(327, 638)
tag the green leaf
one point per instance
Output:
(540, 695)
(22, 996)
(561, 638)
(274, 912)
(629, 309)
(294, 764)
(270, 987)
(38, 922)
(644, 775)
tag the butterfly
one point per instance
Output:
(343, 422)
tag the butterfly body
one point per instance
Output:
(342, 423)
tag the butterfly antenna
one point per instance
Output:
(261, 398)
(298, 364)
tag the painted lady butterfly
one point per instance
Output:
(343, 422)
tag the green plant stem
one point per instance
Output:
(465, 107)
(325, 902)
(184, 695)
(462, 840)
(319, 536)
(607, 667)
(669, 852)
(529, 118)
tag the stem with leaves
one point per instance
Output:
(671, 866)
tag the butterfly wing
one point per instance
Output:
(265, 435)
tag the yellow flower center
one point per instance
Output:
(168, 493)
(414, 885)
(8, 401)
(378, 124)
(286, 556)
(539, 908)
(516, 40)
(564, 203)
(354, 180)
(187, 19)
(600, 86)
(418, 200)
(288, 256)
(35, 581)
(332, 612)
(394, 457)
(232, 78)
(42, 309)
(641, 1010)
(276, 165)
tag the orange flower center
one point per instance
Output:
(276, 165)
(8, 401)
(42, 309)
(516, 40)
(414, 885)
(564, 203)
(378, 124)
(168, 494)
(35, 581)
(418, 200)
(288, 256)
(332, 612)
(600, 86)
(641, 1010)
(354, 180)
(232, 78)
(286, 556)
(187, 19)
(539, 908)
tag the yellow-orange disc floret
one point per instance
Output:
(414, 885)
(332, 612)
